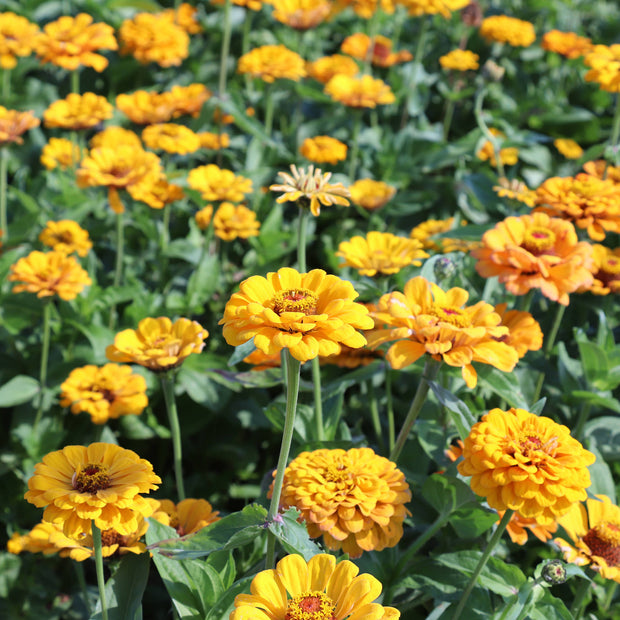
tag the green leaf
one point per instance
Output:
(240, 352)
(461, 415)
(293, 535)
(604, 434)
(472, 520)
(503, 384)
(549, 606)
(20, 389)
(595, 364)
(446, 493)
(203, 281)
(592, 398)
(602, 479)
(98, 336)
(9, 572)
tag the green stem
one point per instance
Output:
(486, 131)
(390, 408)
(81, 579)
(357, 124)
(224, 54)
(526, 300)
(96, 532)
(417, 62)
(4, 225)
(6, 85)
(484, 558)
(292, 390)
(269, 107)
(318, 402)
(47, 315)
(584, 414)
(302, 222)
(615, 130)
(165, 231)
(374, 412)
(611, 591)
(75, 81)
(167, 384)
(580, 602)
(118, 266)
(549, 342)
(430, 370)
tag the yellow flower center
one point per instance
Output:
(336, 473)
(603, 540)
(611, 266)
(295, 300)
(530, 449)
(449, 314)
(311, 606)
(538, 239)
(92, 478)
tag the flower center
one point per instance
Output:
(295, 300)
(311, 606)
(449, 314)
(611, 266)
(336, 473)
(92, 478)
(604, 540)
(538, 239)
(111, 537)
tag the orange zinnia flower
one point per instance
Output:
(324, 69)
(525, 333)
(186, 517)
(78, 111)
(504, 29)
(61, 153)
(370, 194)
(536, 251)
(378, 50)
(18, 36)
(323, 149)
(359, 92)
(301, 14)
(235, 221)
(66, 236)
(272, 62)
(568, 44)
(215, 183)
(606, 270)
(518, 527)
(604, 63)
(432, 7)
(460, 60)
(14, 124)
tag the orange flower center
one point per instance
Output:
(92, 478)
(336, 473)
(295, 300)
(311, 606)
(111, 537)
(538, 239)
(449, 314)
(603, 540)
(611, 266)
(530, 449)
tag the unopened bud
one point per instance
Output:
(492, 71)
(443, 268)
(554, 572)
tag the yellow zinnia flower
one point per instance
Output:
(204, 216)
(325, 68)
(272, 62)
(158, 344)
(514, 189)
(601, 169)
(594, 531)
(18, 36)
(49, 273)
(309, 314)
(213, 141)
(569, 148)
(568, 44)
(318, 589)
(171, 137)
(527, 463)
(231, 221)
(355, 499)
(14, 124)
(159, 193)
(186, 517)
(323, 149)
(604, 63)
(66, 236)
(428, 320)
(378, 50)
(524, 330)
(606, 270)
(425, 232)
(432, 7)
(145, 108)
(61, 153)
(301, 14)
(460, 60)
(379, 252)
(105, 392)
(504, 29)
(371, 195)
(77, 111)
(46, 538)
(487, 152)
(359, 92)
(215, 183)
(101, 482)
(367, 8)
(519, 526)
(311, 189)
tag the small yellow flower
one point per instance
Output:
(568, 44)
(367, 8)
(508, 156)
(371, 195)
(235, 221)
(18, 37)
(426, 231)
(460, 60)
(14, 124)
(272, 62)
(606, 270)
(158, 344)
(604, 63)
(187, 99)
(524, 330)
(204, 216)
(61, 153)
(145, 108)
(213, 141)
(66, 236)
(433, 7)
(569, 148)
(325, 68)
(171, 138)
(48, 274)
(378, 50)
(215, 183)
(504, 29)
(359, 92)
(301, 14)
(78, 111)
(187, 517)
(159, 193)
(323, 149)
(113, 137)
(515, 190)
(184, 16)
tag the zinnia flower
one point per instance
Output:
(18, 36)
(101, 482)
(187, 517)
(318, 589)
(272, 62)
(594, 532)
(159, 193)
(231, 221)
(568, 44)
(606, 270)
(309, 314)
(61, 153)
(425, 232)
(72, 42)
(325, 68)
(113, 137)
(145, 108)
(355, 499)
(311, 189)
(78, 111)
(301, 14)
(514, 189)
(379, 252)
(46, 538)
(378, 50)
(585, 200)
(432, 7)
(518, 528)
(601, 169)
(187, 99)
(508, 156)
(215, 183)
(158, 344)
(359, 92)
(213, 141)
(569, 148)
(105, 392)
(185, 16)
(526, 463)
(604, 63)
(49, 273)
(171, 137)
(370, 194)
(367, 8)
(323, 149)
(504, 29)
(460, 60)
(524, 330)
(66, 236)
(204, 216)
(428, 320)
(14, 124)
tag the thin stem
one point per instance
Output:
(611, 586)
(301, 239)
(269, 107)
(549, 342)
(482, 562)
(374, 412)
(96, 532)
(430, 370)
(417, 62)
(526, 300)
(292, 390)
(118, 266)
(357, 124)
(390, 408)
(165, 231)
(81, 579)
(580, 602)
(318, 402)
(6, 85)
(486, 131)
(584, 414)
(75, 81)
(4, 225)
(45, 350)
(615, 130)
(167, 384)
(224, 53)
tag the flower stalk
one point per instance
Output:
(45, 350)
(355, 149)
(549, 342)
(167, 384)
(4, 226)
(96, 532)
(118, 265)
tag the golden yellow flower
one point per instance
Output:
(323, 149)
(18, 37)
(213, 141)
(61, 153)
(14, 124)
(504, 29)
(49, 273)
(186, 517)
(78, 111)
(508, 156)
(569, 148)
(253, 5)
(380, 253)
(101, 482)
(568, 44)
(379, 50)
(262, 361)
(527, 463)
(105, 392)
(460, 60)
(171, 138)
(235, 221)
(601, 169)
(66, 236)
(604, 63)
(187, 99)
(46, 538)
(151, 37)
(318, 589)
(272, 62)
(204, 216)
(524, 330)
(215, 183)
(606, 270)
(366, 8)
(371, 195)
(514, 189)
(428, 320)
(311, 189)
(159, 193)
(425, 232)
(184, 16)
(309, 314)
(355, 499)
(145, 108)
(359, 92)
(72, 42)
(588, 202)
(158, 344)
(301, 14)
(536, 252)
(594, 532)
(325, 68)
(432, 7)
(114, 136)
(519, 526)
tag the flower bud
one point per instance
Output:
(554, 572)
